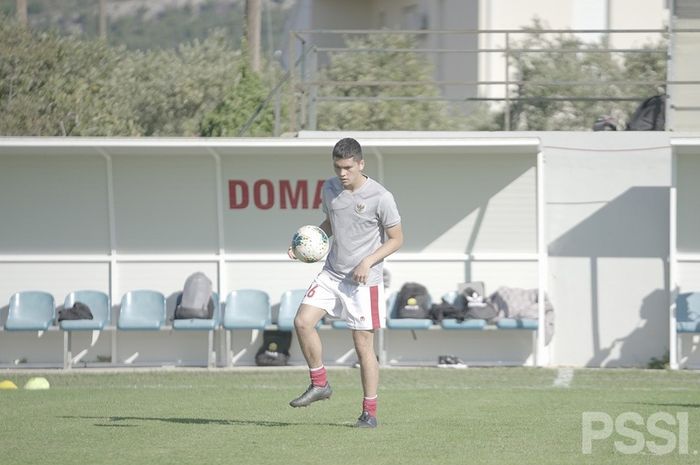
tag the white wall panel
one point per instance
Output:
(58, 279)
(53, 204)
(165, 203)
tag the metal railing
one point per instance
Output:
(309, 48)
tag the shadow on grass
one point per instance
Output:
(113, 425)
(668, 404)
(120, 421)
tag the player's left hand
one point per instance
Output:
(361, 272)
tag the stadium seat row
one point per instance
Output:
(146, 310)
(245, 309)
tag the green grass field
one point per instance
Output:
(430, 415)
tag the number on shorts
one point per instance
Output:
(311, 291)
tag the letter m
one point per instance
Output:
(301, 192)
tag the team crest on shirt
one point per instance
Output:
(360, 207)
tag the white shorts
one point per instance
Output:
(362, 307)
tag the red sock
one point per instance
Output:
(318, 376)
(369, 405)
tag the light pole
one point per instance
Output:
(22, 12)
(253, 19)
(102, 26)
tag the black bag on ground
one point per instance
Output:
(195, 301)
(275, 348)
(79, 311)
(650, 115)
(413, 301)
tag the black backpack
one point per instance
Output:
(478, 306)
(79, 311)
(650, 115)
(443, 310)
(412, 301)
(275, 348)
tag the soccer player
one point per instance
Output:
(366, 226)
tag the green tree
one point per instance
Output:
(595, 81)
(391, 65)
(50, 85)
(58, 86)
(167, 92)
(244, 103)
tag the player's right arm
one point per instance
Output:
(326, 226)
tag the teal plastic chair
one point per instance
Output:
(289, 304)
(393, 322)
(202, 324)
(247, 309)
(688, 312)
(518, 323)
(453, 323)
(141, 310)
(101, 310)
(339, 324)
(30, 311)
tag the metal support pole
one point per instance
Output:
(313, 89)
(302, 85)
(673, 288)
(507, 84)
(292, 83)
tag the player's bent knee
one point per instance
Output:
(303, 323)
(307, 317)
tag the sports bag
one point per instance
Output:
(413, 301)
(444, 309)
(79, 311)
(275, 348)
(650, 115)
(196, 301)
(478, 307)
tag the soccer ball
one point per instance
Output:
(310, 244)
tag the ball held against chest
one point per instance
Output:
(310, 244)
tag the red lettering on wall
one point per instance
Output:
(300, 192)
(317, 195)
(266, 194)
(237, 194)
(264, 185)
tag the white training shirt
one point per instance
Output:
(358, 220)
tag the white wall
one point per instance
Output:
(683, 113)
(607, 210)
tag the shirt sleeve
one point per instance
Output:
(387, 211)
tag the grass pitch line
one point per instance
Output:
(564, 377)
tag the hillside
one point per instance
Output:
(149, 24)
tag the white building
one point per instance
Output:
(458, 62)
